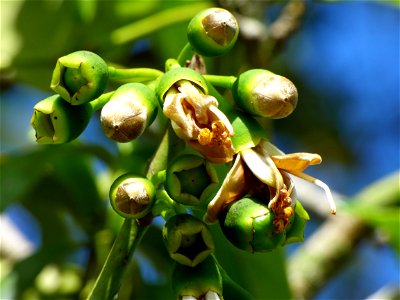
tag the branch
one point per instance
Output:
(325, 252)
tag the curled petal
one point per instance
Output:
(263, 167)
(296, 162)
(231, 189)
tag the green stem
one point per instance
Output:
(185, 54)
(155, 22)
(129, 236)
(221, 81)
(98, 103)
(134, 74)
(109, 280)
(171, 63)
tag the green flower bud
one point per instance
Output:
(190, 179)
(248, 225)
(265, 94)
(187, 239)
(172, 77)
(203, 281)
(56, 122)
(213, 32)
(131, 109)
(132, 196)
(80, 77)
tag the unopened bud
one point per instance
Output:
(131, 109)
(213, 32)
(265, 94)
(132, 196)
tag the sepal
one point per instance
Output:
(187, 239)
(56, 121)
(173, 76)
(80, 77)
(204, 281)
(190, 179)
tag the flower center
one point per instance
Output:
(217, 136)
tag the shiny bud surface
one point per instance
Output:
(213, 32)
(131, 109)
(264, 94)
(248, 225)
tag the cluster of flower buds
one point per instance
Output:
(251, 196)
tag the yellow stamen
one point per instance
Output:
(217, 136)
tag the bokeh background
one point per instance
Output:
(343, 56)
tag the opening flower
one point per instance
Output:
(194, 114)
(262, 172)
(195, 118)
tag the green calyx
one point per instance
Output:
(172, 78)
(213, 32)
(56, 121)
(190, 179)
(262, 93)
(295, 233)
(187, 239)
(248, 225)
(80, 77)
(131, 109)
(198, 282)
(132, 196)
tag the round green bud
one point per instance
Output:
(132, 196)
(187, 239)
(213, 32)
(265, 94)
(203, 281)
(248, 225)
(80, 77)
(56, 121)
(190, 179)
(173, 76)
(131, 109)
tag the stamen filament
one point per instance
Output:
(322, 185)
